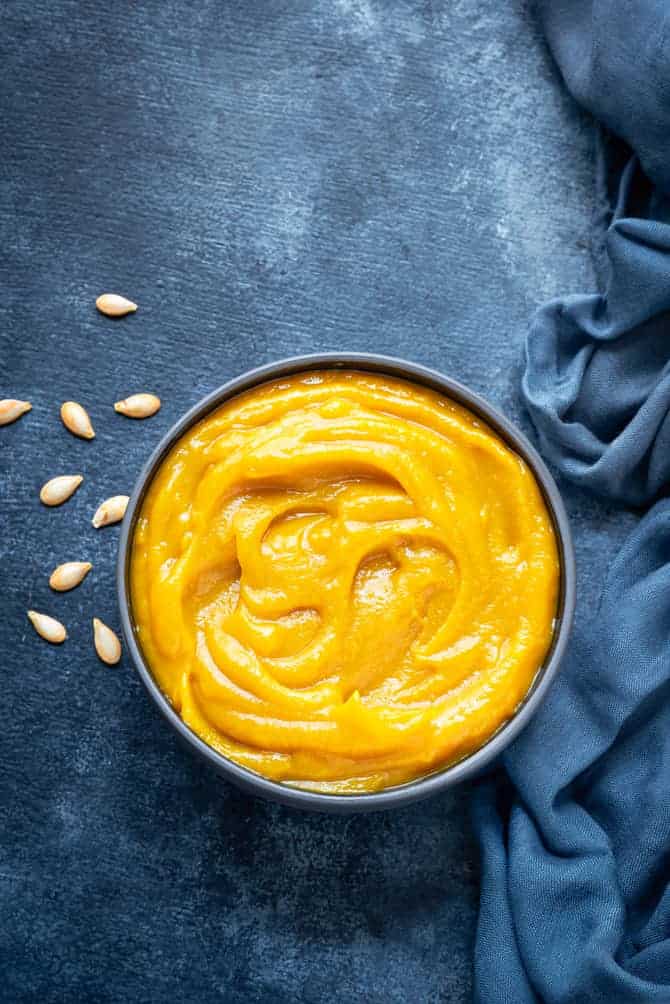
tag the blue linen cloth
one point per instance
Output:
(575, 830)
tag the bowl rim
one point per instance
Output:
(440, 779)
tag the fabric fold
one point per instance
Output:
(597, 366)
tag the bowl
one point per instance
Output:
(439, 780)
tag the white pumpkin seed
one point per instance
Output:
(75, 418)
(69, 575)
(138, 405)
(107, 645)
(112, 510)
(11, 409)
(114, 305)
(58, 490)
(48, 627)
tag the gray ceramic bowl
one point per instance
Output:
(432, 783)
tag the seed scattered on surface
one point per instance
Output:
(58, 490)
(107, 645)
(69, 575)
(112, 510)
(75, 418)
(114, 305)
(11, 409)
(47, 627)
(138, 405)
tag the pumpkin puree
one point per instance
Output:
(344, 581)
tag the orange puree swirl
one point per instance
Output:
(344, 581)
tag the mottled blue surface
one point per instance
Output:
(264, 179)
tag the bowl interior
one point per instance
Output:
(443, 777)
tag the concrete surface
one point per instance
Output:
(263, 179)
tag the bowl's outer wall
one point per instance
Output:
(438, 781)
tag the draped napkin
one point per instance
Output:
(575, 828)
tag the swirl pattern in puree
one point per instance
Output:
(344, 581)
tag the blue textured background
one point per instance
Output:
(263, 179)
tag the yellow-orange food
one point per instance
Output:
(344, 581)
